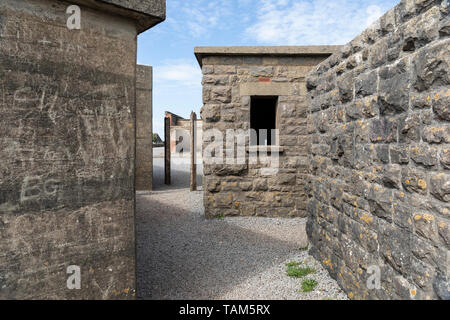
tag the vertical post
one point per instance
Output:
(167, 150)
(193, 185)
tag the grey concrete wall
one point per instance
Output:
(379, 156)
(144, 13)
(67, 137)
(228, 84)
(144, 134)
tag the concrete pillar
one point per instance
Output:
(67, 147)
(144, 135)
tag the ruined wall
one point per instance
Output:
(379, 166)
(181, 128)
(144, 135)
(67, 99)
(251, 189)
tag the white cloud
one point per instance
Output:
(199, 18)
(374, 12)
(178, 72)
(302, 22)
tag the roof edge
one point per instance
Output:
(201, 52)
(146, 13)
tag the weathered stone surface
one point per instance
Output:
(67, 144)
(146, 14)
(440, 186)
(409, 129)
(346, 86)
(414, 180)
(380, 191)
(221, 94)
(431, 66)
(394, 88)
(231, 77)
(366, 84)
(144, 134)
(383, 130)
(424, 155)
(441, 105)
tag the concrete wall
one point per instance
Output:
(230, 77)
(379, 167)
(67, 137)
(144, 134)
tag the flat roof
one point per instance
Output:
(146, 13)
(201, 52)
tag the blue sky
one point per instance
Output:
(169, 47)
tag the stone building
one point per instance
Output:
(364, 140)
(67, 147)
(247, 87)
(180, 133)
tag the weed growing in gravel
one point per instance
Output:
(220, 217)
(297, 272)
(304, 248)
(293, 264)
(309, 285)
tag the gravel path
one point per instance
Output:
(182, 255)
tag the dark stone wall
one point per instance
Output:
(67, 99)
(144, 135)
(379, 183)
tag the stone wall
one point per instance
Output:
(229, 81)
(379, 182)
(144, 135)
(67, 99)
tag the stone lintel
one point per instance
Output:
(265, 89)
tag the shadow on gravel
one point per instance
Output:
(180, 175)
(181, 255)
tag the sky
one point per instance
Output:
(169, 46)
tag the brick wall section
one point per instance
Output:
(67, 137)
(245, 189)
(144, 135)
(379, 183)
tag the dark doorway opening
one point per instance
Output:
(263, 116)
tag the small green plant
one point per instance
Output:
(304, 248)
(297, 272)
(309, 285)
(220, 216)
(293, 264)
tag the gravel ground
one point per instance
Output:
(182, 255)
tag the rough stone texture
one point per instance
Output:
(378, 179)
(230, 77)
(67, 147)
(144, 135)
